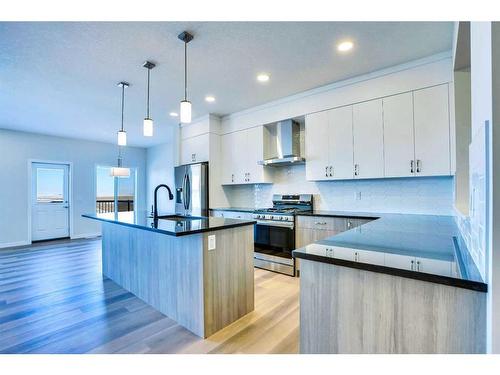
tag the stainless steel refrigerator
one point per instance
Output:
(191, 189)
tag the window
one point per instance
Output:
(49, 185)
(115, 195)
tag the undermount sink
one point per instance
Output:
(179, 217)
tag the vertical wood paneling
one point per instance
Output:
(345, 310)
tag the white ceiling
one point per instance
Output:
(60, 78)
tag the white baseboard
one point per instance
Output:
(14, 244)
(85, 235)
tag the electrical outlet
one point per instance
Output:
(358, 195)
(211, 242)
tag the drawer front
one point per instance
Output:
(306, 236)
(337, 224)
(237, 215)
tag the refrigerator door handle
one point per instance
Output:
(184, 191)
(188, 195)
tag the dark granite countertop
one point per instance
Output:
(390, 242)
(235, 209)
(170, 224)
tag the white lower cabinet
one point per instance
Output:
(232, 214)
(426, 265)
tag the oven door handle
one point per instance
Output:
(275, 224)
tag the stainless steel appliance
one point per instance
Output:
(274, 238)
(287, 144)
(191, 189)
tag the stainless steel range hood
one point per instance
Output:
(287, 135)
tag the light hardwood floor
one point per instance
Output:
(53, 299)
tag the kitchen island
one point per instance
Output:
(197, 271)
(397, 284)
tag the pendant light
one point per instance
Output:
(148, 122)
(119, 170)
(185, 110)
(122, 134)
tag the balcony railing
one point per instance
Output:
(104, 206)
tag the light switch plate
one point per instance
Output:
(211, 242)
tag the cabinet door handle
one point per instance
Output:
(232, 177)
(356, 256)
(412, 266)
(320, 223)
(412, 166)
(418, 265)
(349, 224)
(356, 169)
(331, 171)
(326, 171)
(419, 166)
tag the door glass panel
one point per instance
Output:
(126, 195)
(49, 185)
(115, 195)
(105, 189)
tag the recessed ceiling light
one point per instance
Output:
(263, 77)
(173, 114)
(209, 98)
(345, 46)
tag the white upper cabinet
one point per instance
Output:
(368, 135)
(432, 131)
(317, 145)
(341, 143)
(241, 152)
(329, 145)
(195, 149)
(399, 144)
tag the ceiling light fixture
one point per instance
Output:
(185, 108)
(119, 170)
(209, 98)
(148, 121)
(345, 46)
(263, 77)
(122, 134)
(173, 114)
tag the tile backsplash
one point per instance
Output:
(422, 195)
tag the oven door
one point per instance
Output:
(275, 240)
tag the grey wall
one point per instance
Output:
(16, 148)
(160, 170)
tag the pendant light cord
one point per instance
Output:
(185, 70)
(123, 101)
(149, 71)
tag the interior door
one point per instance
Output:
(399, 145)
(341, 145)
(49, 201)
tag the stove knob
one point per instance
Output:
(281, 217)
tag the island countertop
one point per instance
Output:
(390, 239)
(170, 224)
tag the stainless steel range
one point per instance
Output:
(275, 232)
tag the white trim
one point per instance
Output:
(347, 82)
(86, 235)
(70, 192)
(14, 244)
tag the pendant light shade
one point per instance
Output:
(147, 128)
(185, 109)
(122, 138)
(122, 134)
(185, 112)
(119, 170)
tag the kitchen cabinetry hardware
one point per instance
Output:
(412, 265)
(412, 166)
(331, 171)
(356, 256)
(326, 171)
(419, 166)
(356, 169)
(320, 223)
(418, 265)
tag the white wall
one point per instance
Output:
(16, 148)
(423, 195)
(160, 170)
(494, 190)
